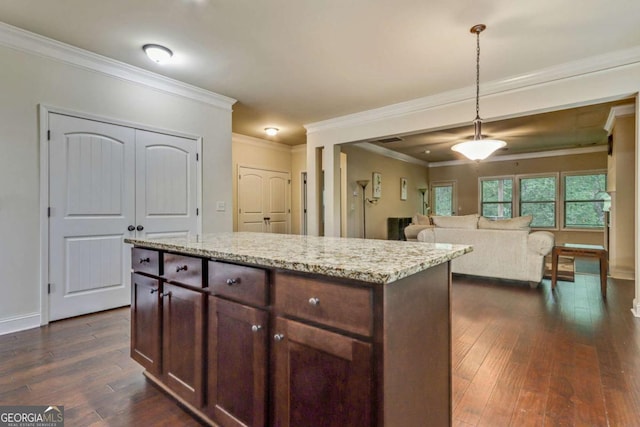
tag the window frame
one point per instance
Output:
(563, 217)
(494, 178)
(556, 177)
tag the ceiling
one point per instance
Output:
(294, 62)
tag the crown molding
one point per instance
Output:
(259, 142)
(545, 75)
(28, 42)
(525, 156)
(390, 153)
(618, 111)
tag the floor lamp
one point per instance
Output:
(422, 191)
(363, 183)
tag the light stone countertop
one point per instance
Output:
(367, 260)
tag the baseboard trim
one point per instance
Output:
(622, 273)
(19, 323)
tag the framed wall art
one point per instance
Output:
(403, 188)
(377, 185)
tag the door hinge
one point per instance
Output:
(288, 181)
(289, 210)
(49, 212)
(197, 211)
(197, 157)
(48, 135)
(239, 176)
(48, 288)
(239, 210)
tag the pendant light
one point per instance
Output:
(478, 148)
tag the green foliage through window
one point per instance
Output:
(497, 198)
(538, 198)
(583, 200)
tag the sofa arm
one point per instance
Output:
(541, 242)
(427, 235)
(411, 231)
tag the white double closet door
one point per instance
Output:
(263, 200)
(108, 182)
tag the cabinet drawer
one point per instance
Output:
(145, 261)
(183, 269)
(238, 282)
(339, 306)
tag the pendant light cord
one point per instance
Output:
(477, 75)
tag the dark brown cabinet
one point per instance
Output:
(145, 322)
(237, 364)
(322, 379)
(182, 342)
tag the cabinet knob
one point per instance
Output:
(182, 268)
(139, 228)
(153, 291)
(165, 294)
(143, 260)
(278, 337)
(232, 282)
(131, 228)
(314, 301)
(256, 328)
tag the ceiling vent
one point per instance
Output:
(390, 139)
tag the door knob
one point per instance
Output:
(139, 228)
(131, 228)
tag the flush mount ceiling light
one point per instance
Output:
(271, 131)
(157, 53)
(478, 148)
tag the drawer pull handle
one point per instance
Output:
(278, 337)
(232, 282)
(143, 260)
(256, 328)
(153, 291)
(165, 294)
(184, 267)
(314, 301)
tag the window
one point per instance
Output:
(443, 198)
(584, 200)
(538, 195)
(496, 197)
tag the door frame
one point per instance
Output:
(43, 126)
(262, 168)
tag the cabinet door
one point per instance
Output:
(182, 342)
(237, 371)
(321, 379)
(145, 322)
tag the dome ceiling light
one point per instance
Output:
(271, 131)
(478, 148)
(157, 53)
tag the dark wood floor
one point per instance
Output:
(522, 357)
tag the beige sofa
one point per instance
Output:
(501, 249)
(418, 223)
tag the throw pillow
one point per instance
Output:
(421, 219)
(518, 223)
(462, 221)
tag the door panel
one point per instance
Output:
(90, 164)
(166, 185)
(263, 200)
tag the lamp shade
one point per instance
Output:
(478, 149)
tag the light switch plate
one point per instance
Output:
(220, 206)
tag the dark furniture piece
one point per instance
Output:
(575, 250)
(395, 228)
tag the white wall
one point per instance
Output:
(27, 80)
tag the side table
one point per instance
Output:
(575, 250)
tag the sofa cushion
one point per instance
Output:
(421, 220)
(518, 223)
(462, 221)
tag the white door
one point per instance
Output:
(108, 182)
(263, 200)
(91, 166)
(166, 185)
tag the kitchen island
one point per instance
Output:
(252, 329)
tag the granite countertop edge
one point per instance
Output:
(359, 268)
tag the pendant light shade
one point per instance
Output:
(478, 148)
